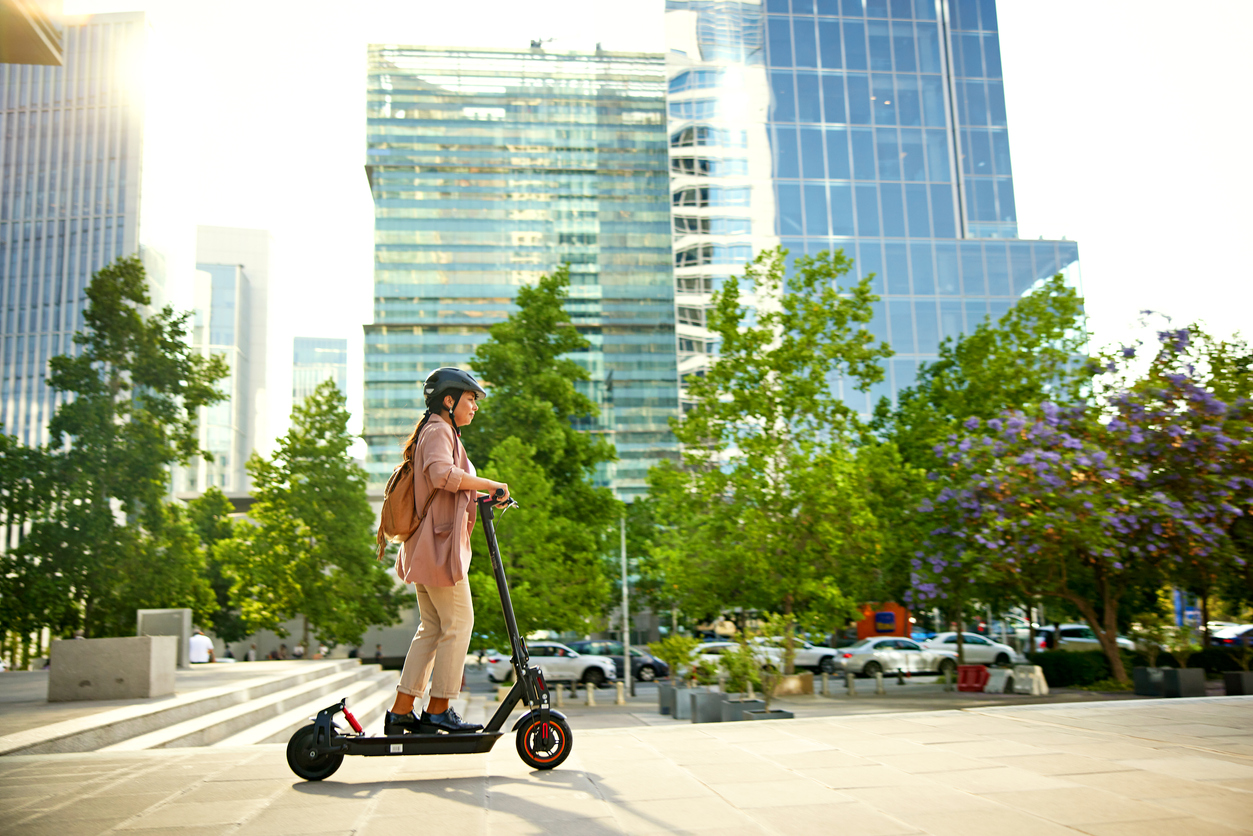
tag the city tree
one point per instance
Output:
(103, 540)
(532, 432)
(1087, 502)
(769, 509)
(307, 547)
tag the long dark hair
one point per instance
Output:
(435, 403)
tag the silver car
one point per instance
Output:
(977, 649)
(559, 663)
(866, 657)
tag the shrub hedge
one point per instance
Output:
(1064, 668)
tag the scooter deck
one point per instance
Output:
(420, 744)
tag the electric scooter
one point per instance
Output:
(543, 735)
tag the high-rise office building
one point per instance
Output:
(873, 126)
(315, 359)
(491, 167)
(230, 302)
(77, 158)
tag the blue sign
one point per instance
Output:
(885, 622)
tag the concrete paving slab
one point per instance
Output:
(781, 777)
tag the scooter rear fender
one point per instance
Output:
(521, 720)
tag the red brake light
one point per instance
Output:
(848, 656)
(493, 659)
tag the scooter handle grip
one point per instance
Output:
(500, 492)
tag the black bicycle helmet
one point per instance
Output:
(449, 380)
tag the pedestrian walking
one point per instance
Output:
(436, 555)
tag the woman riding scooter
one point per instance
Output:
(436, 557)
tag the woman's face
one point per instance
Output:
(466, 407)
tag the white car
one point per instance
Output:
(806, 655)
(1076, 637)
(889, 655)
(976, 649)
(710, 653)
(558, 663)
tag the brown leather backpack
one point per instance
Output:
(399, 518)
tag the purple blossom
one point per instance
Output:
(971, 423)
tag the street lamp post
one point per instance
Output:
(626, 615)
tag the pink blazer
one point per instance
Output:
(438, 553)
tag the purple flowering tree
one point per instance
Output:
(1081, 503)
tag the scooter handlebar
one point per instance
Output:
(495, 499)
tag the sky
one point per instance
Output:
(1125, 123)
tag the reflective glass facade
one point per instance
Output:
(885, 126)
(222, 325)
(489, 168)
(70, 146)
(315, 359)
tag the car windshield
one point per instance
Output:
(861, 643)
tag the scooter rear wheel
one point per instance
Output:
(306, 761)
(538, 756)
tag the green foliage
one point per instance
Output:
(742, 666)
(555, 575)
(209, 514)
(1030, 355)
(1066, 668)
(101, 540)
(1152, 633)
(527, 433)
(676, 651)
(308, 548)
(769, 509)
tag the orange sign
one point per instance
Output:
(886, 619)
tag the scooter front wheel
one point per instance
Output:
(534, 752)
(306, 761)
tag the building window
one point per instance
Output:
(711, 196)
(694, 284)
(703, 136)
(689, 315)
(695, 80)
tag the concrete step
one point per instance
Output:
(108, 728)
(207, 729)
(367, 699)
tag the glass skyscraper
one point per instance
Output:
(315, 359)
(873, 126)
(74, 142)
(491, 167)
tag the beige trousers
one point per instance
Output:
(438, 651)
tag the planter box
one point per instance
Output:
(1148, 681)
(772, 714)
(665, 698)
(683, 702)
(112, 669)
(707, 707)
(796, 683)
(1239, 683)
(1183, 682)
(733, 710)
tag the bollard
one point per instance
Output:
(560, 690)
(900, 677)
(591, 694)
(850, 683)
(621, 698)
(878, 684)
(826, 686)
(948, 680)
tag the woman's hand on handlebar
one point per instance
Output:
(496, 493)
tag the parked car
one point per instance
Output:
(1233, 636)
(867, 657)
(806, 656)
(710, 653)
(1075, 637)
(645, 667)
(558, 663)
(977, 650)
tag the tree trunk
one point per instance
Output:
(789, 645)
(961, 644)
(1205, 636)
(1106, 634)
(304, 639)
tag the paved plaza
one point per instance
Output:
(1178, 767)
